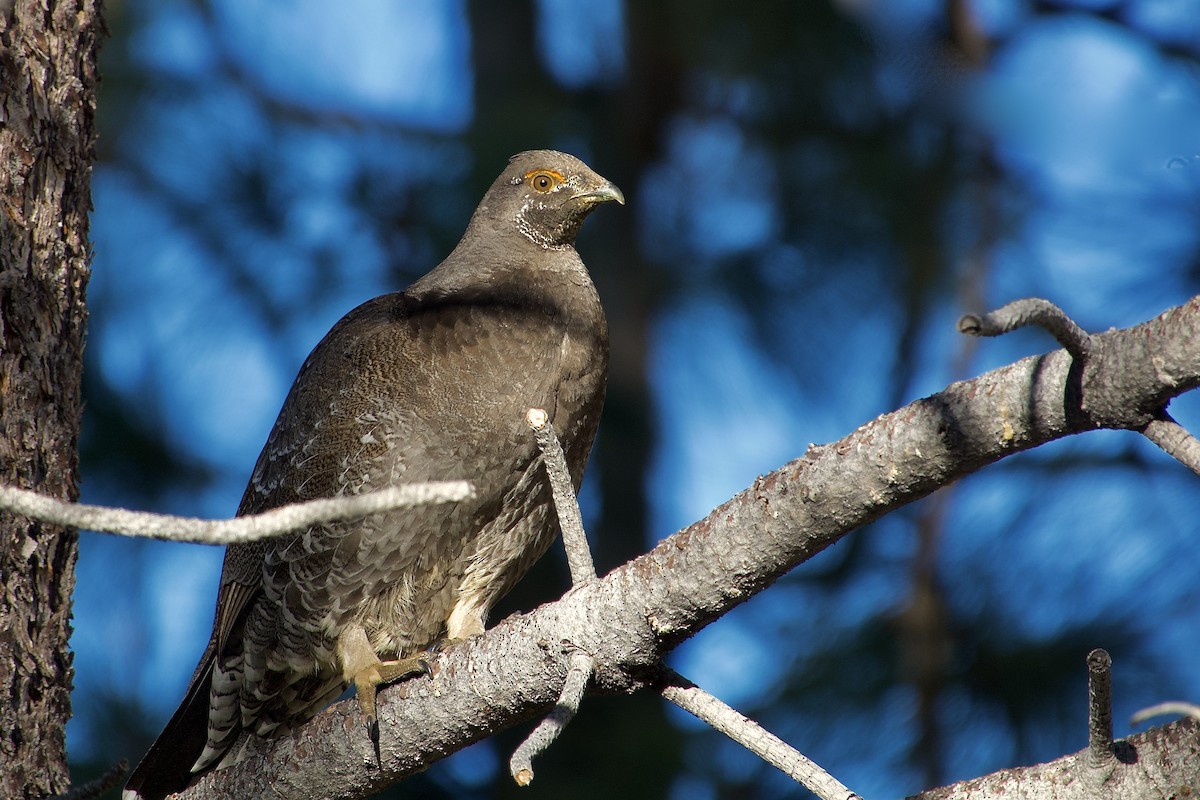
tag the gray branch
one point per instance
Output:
(689, 697)
(1175, 441)
(1100, 727)
(583, 570)
(1154, 765)
(1133, 767)
(632, 617)
(1174, 708)
(755, 738)
(579, 554)
(94, 789)
(237, 530)
(520, 766)
(1030, 311)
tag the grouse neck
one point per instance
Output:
(556, 284)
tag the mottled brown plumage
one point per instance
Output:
(430, 383)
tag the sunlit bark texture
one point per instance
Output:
(47, 100)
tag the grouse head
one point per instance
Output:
(545, 195)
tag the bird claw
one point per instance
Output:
(373, 733)
(366, 687)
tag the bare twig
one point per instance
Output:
(1030, 311)
(579, 559)
(1174, 708)
(1100, 727)
(1175, 440)
(754, 737)
(689, 697)
(579, 555)
(238, 530)
(95, 788)
(578, 675)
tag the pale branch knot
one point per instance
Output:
(1030, 311)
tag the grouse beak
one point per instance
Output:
(608, 191)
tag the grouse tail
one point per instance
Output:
(167, 766)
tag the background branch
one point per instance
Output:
(1174, 707)
(93, 789)
(755, 738)
(1151, 773)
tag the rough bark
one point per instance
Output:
(1160, 763)
(47, 99)
(632, 617)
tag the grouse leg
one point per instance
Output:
(363, 667)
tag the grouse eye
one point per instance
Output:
(543, 181)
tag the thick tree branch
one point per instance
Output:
(1160, 429)
(237, 530)
(629, 619)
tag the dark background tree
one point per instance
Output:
(47, 133)
(817, 190)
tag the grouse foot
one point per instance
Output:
(362, 667)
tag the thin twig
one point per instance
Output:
(579, 559)
(1175, 708)
(520, 766)
(748, 733)
(579, 555)
(754, 737)
(96, 787)
(1100, 726)
(1175, 440)
(238, 530)
(1030, 311)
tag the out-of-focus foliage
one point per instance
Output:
(817, 190)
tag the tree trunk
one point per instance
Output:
(47, 103)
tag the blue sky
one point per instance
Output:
(1104, 130)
